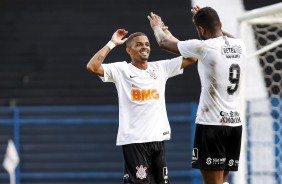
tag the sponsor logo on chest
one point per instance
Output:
(144, 94)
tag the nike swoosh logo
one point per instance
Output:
(131, 76)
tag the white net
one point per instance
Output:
(264, 113)
(271, 63)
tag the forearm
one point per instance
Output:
(170, 36)
(160, 35)
(166, 40)
(95, 63)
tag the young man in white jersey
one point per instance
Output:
(143, 122)
(221, 67)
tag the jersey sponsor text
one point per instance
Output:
(144, 94)
(231, 52)
(231, 117)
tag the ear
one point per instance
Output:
(202, 30)
(128, 50)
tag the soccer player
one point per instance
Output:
(221, 68)
(143, 122)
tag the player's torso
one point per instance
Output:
(220, 73)
(141, 86)
(142, 105)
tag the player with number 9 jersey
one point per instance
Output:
(220, 67)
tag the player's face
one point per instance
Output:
(140, 49)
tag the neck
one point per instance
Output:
(217, 34)
(140, 65)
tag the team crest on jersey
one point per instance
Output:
(152, 74)
(141, 172)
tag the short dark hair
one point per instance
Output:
(208, 19)
(133, 35)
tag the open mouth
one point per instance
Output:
(144, 52)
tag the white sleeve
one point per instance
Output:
(172, 67)
(110, 72)
(192, 48)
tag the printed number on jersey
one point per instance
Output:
(234, 77)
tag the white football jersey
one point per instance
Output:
(141, 96)
(221, 66)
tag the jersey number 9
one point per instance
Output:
(234, 77)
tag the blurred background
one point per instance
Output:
(63, 119)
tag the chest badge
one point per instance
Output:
(152, 74)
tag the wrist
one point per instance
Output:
(111, 44)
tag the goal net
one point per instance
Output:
(261, 29)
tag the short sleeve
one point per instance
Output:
(111, 71)
(192, 48)
(172, 67)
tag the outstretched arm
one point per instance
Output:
(166, 40)
(95, 63)
(163, 36)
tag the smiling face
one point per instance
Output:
(139, 49)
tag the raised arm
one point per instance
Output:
(163, 36)
(95, 63)
(166, 40)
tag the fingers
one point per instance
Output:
(124, 40)
(164, 28)
(195, 9)
(118, 36)
(153, 16)
(122, 32)
(156, 21)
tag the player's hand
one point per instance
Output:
(118, 36)
(156, 21)
(194, 10)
